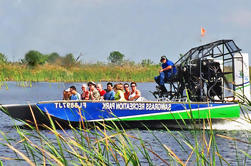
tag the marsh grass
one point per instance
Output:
(111, 144)
(85, 72)
(105, 144)
(95, 72)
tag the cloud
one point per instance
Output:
(97, 27)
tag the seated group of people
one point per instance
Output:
(119, 92)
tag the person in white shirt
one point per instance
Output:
(135, 93)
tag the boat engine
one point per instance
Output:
(204, 73)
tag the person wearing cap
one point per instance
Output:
(168, 71)
(74, 94)
(93, 92)
(66, 94)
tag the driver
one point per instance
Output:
(166, 73)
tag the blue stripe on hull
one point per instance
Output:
(93, 111)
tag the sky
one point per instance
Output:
(140, 29)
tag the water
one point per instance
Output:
(12, 93)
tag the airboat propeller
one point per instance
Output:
(204, 73)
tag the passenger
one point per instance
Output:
(119, 94)
(66, 94)
(127, 91)
(101, 91)
(135, 94)
(74, 94)
(93, 92)
(109, 92)
(85, 94)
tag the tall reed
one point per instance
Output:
(105, 144)
(95, 72)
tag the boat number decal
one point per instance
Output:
(70, 105)
(136, 106)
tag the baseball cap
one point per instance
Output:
(91, 83)
(67, 90)
(163, 57)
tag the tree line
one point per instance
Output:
(34, 58)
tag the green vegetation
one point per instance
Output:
(3, 58)
(146, 62)
(80, 73)
(116, 58)
(250, 72)
(55, 68)
(52, 67)
(34, 58)
(109, 145)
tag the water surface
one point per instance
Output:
(12, 93)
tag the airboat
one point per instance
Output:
(212, 79)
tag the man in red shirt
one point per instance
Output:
(101, 90)
(127, 91)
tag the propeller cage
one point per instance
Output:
(207, 73)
